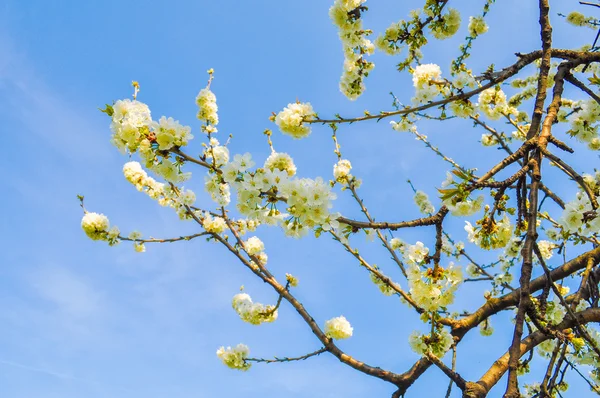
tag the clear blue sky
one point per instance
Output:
(80, 319)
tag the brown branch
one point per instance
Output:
(507, 149)
(287, 359)
(384, 241)
(574, 175)
(505, 183)
(449, 390)
(385, 279)
(268, 278)
(165, 240)
(495, 305)
(491, 307)
(586, 3)
(562, 300)
(504, 74)
(177, 151)
(559, 144)
(270, 312)
(549, 368)
(593, 386)
(454, 376)
(573, 80)
(515, 156)
(419, 222)
(497, 370)
(552, 384)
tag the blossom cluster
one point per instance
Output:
(584, 124)
(462, 108)
(437, 343)
(166, 195)
(413, 254)
(137, 245)
(578, 19)
(388, 41)
(546, 248)
(217, 154)
(427, 82)
(131, 121)
(345, 14)
(489, 140)
(254, 246)
(460, 204)
(338, 328)
(434, 288)
(215, 225)
(411, 32)
(404, 124)
(446, 25)
(219, 191)
(207, 104)
(489, 234)
(134, 131)
(485, 328)
(282, 162)
(308, 201)
(253, 313)
(520, 133)
(95, 225)
(462, 80)
(235, 358)
(169, 133)
(492, 102)
(291, 119)
(384, 287)
(341, 171)
(578, 215)
(422, 201)
(513, 248)
(477, 26)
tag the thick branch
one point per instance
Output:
(493, 375)
(419, 222)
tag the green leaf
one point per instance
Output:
(594, 80)
(447, 193)
(108, 110)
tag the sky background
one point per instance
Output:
(80, 319)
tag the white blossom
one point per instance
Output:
(492, 102)
(253, 313)
(207, 104)
(170, 133)
(438, 344)
(214, 225)
(281, 161)
(338, 328)
(234, 358)
(291, 119)
(127, 119)
(477, 26)
(254, 246)
(95, 226)
(341, 170)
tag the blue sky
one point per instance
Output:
(80, 319)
